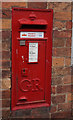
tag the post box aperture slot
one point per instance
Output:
(33, 27)
(33, 53)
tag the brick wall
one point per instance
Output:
(61, 88)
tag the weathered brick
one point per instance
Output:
(62, 15)
(6, 24)
(5, 94)
(60, 6)
(63, 34)
(57, 80)
(63, 89)
(68, 42)
(64, 107)
(13, 4)
(40, 112)
(5, 113)
(59, 42)
(6, 45)
(6, 64)
(67, 61)
(0, 35)
(53, 89)
(5, 73)
(59, 25)
(72, 88)
(0, 46)
(39, 5)
(72, 70)
(69, 97)
(62, 71)
(0, 84)
(61, 52)
(58, 62)
(23, 113)
(58, 99)
(5, 103)
(64, 114)
(0, 13)
(1, 24)
(71, 78)
(6, 35)
(6, 13)
(68, 24)
(5, 55)
(67, 79)
(6, 83)
(52, 109)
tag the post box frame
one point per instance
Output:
(47, 100)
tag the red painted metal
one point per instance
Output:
(31, 82)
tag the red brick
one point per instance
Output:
(64, 107)
(6, 13)
(63, 34)
(67, 61)
(5, 94)
(57, 80)
(6, 55)
(5, 114)
(6, 24)
(0, 84)
(6, 83)
(71, 78)
(5, 73)
(52, 109)
(0, 13)
(6, 64)
(68, 42)
(72, 70)
(58, 99)
(69, 97)
(59, 25)
(6, 45)
(63, 89)
(60, 6)
(58, 62)
(64, 114)
(59, 42)
(20, 114)
(61, 52)
(6, 35)
(5, 103)
(39, 5)
(67, 79)
(62, 15)
(1, 35)
(9, 5)
(68, 24)
(40, 113)
(53, 89)
(61, 71)
(72, 88)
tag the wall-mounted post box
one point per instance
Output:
(31, 57)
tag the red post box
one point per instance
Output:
(31, 57)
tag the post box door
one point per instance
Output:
(31, 72)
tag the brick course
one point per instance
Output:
(61, 88)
